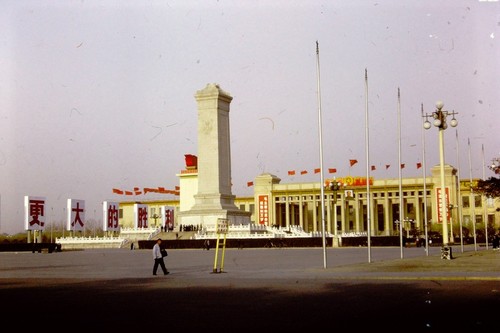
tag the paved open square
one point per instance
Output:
(266, 289)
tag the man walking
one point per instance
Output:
(158, 258)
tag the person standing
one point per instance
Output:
(158, 258)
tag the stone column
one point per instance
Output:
(214, 199)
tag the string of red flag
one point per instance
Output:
(146, 190)
(351, 163)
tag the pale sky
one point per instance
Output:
(96, 95)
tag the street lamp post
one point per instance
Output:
(408, 226)
(439, 117)
(334, 186)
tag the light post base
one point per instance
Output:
(446, 252)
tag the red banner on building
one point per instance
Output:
(440, 205)
(263, 209)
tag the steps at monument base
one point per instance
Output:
(175, 235)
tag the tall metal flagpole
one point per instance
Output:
(425, 187)
(485, 216)
(472, 203)
(322, 187)
(459, 203)
(401, 217)
(367, 144)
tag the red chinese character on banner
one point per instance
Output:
(36, 209)
(143, 217)
(77, 211)
(112, 217)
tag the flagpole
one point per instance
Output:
(368, 199)
(322, 187)
(401, 219)
(472, 203)
(459, 204)
(425, 187)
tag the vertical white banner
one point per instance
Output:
(76, 215)
(34, 213)
(110, 216)
(140, 216)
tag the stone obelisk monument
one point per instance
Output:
(214, 199)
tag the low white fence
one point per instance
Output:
(259, 231)
(91, 242)
(242, 231)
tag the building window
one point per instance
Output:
(465, 201)
(410, 208)
(477, 201)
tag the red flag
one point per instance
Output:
(129, 193)
(291, 172)
(332, 170)
(117, 191)
(373, 167)
(148, 189)
(402, 165)
(352, 162)
(387, 166)
(249, 184)
(317, 170)
(177, 188)
(303, 172)
(136, 189)
(419, 165)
